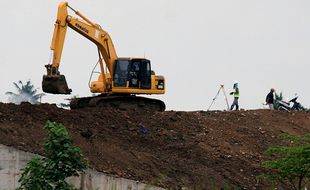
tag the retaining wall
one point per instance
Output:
(13, 160)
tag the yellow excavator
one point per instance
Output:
(121, 79)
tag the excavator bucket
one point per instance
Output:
(55, 84)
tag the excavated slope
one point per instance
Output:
(197, 150)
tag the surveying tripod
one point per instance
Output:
(218, 92)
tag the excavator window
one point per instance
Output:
(121, 73)
(145, 74)
(137, 72)
(134, 74)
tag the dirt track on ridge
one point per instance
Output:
(197, 150)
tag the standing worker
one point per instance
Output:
(235, 93)
(270, 99)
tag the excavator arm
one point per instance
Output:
(53, 81)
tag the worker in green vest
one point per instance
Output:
(236, 94)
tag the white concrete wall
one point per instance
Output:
(13, 160)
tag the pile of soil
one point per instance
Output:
(172, 149)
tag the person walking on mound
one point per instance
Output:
(270, 99)
(235, 93)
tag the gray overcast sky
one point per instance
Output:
(197, 45)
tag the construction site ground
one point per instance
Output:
(172, 149)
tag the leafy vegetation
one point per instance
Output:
(62, 160)
(25, 93)
(278, 97)
(290, 165)
(67, 105)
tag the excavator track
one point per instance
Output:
(121, 102)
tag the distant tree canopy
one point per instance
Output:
(25, 93)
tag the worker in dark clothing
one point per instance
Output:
(270, 99)
(235, 93)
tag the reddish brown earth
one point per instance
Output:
(197, 150)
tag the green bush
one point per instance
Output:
(290, 166)
(62, 160)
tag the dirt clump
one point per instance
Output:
(197, 150)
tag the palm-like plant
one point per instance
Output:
(25, 93)
(278, 97)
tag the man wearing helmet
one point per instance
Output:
(235, 93)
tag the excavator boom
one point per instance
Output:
(56, 83)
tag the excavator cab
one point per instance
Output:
(132, 73)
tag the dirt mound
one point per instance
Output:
(198, 150)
